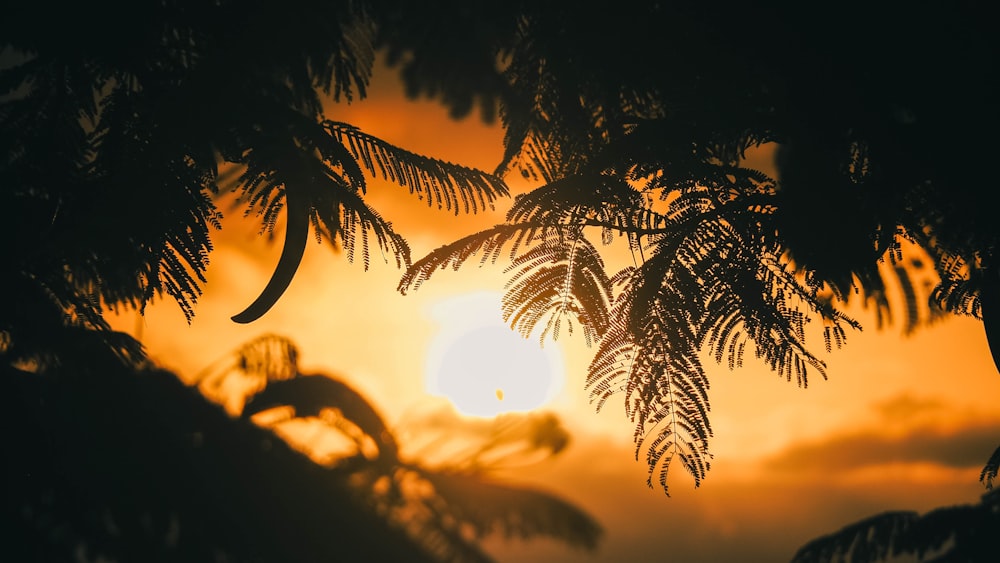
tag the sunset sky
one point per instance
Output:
(902, 423)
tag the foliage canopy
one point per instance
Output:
(635, 121)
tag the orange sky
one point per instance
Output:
(902, 423)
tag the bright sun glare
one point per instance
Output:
(482, 366)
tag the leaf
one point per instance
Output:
(562, 277)
(489, 243)
(449, 186)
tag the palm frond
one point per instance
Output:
(446, 441)
(320, 174)
(446, 508)
(439, 533)
(165, 254)
(713, 278)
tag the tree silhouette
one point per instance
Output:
(108, 462)
(447, 500)
(957, 533)
(127, 463)
(641, 138)
(144, 121)
(636, 122)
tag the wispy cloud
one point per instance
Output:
(964, 447)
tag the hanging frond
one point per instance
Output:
(165, 254)
(712, 281)
(320, 174)
(443, 184)
(489, 243)
(664, 387)
(561, 278)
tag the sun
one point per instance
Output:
(482, 366)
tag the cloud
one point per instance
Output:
(959, 448)
(906, 407)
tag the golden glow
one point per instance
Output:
(354, 324)
(482, 366)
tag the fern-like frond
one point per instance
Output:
(344, 215)
(489, 243)
(712, 280)
(665, 389)
(561, 278)
(442, 184)
(595, 197)
(737, 287)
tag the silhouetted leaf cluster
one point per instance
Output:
(641, 136)
(115, 463)
(957, 533)
(446, 506)
(636, 121)
(97, 132)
